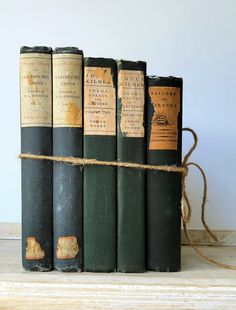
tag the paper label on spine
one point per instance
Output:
(67, 90)
(34, 249)
(131, 93)
(99, 102)
(36, 90)
(164, 126)
(67, 247)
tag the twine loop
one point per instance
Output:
(186, 210)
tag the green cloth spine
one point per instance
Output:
(131, 182)
(100, 182)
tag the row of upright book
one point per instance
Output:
(99, 218)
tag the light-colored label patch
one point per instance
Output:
(67, 247)
(67, 90)
(99, 102)
(131, 93)
(36, 90)
(34, 249)
(164, 127)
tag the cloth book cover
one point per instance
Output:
(164, 143)
(67, 141)
(100, 181)
(36, 138)
(131, 182)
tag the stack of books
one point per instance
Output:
(99, 218)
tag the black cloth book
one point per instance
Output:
(67, 141)
(36, 138)
(164, 143)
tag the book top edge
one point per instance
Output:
(98, 59)
(131, 65)
(36, 49)
(67, 50)
(131, 61)
(164, 78)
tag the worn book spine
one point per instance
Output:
(164, 144)
(131, 182)
(36, 138)
(100, 182)
(67, 141)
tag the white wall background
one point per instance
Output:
(195, 39)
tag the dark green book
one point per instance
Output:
(67, 141)
(99, 181)
(164, 143)
(131, 182)
(36, 175)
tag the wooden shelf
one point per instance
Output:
(198, 286)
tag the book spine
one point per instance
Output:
(67, 141)
(36, 138)
(131, 182)
(164, 143)
(100, 182)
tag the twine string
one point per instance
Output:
(77, 161)
(186, 209)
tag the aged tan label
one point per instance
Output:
(67, 90)
(67, 247)
(164, 127)
(99, 102)
(131, 93)
(36, 90)
(34, 249)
